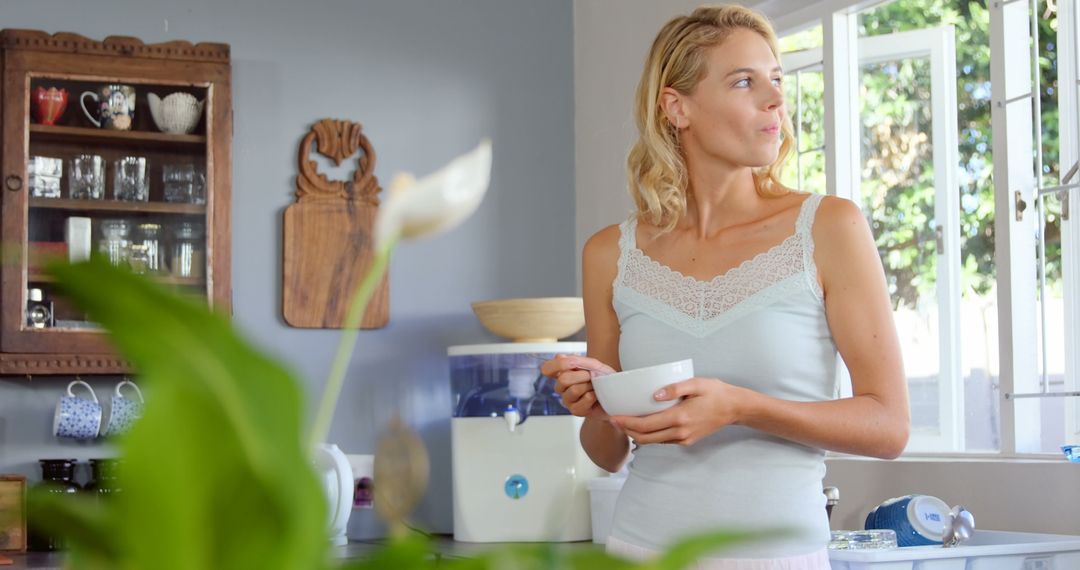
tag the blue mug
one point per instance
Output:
(918, 520)
(123, 411)
(75, 417)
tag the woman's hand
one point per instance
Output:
(708, 405)
(573, 382)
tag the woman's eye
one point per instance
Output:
(745, 82)
(778, 81)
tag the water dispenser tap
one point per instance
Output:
(512, 417)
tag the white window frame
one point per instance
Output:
(938, 46)
(1016, 187)
(1069, 130)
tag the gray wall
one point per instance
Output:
(428, 80)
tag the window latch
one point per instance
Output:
(1020, 204)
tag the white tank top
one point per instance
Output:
(762, 326)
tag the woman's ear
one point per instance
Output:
(674, 108)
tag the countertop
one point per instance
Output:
(444, 545)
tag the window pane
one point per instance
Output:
(813, 171)
(805, 169)
(898, 195)
(978, 309)
(811, 119)
(1051, 319)
(806, 39)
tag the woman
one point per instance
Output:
(759, 285)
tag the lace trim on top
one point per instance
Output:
(702, 307)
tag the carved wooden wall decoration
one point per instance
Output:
(329, 232)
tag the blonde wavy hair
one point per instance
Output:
(677, 59)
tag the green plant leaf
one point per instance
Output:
(214, 474)
(589, 559)
(77, 518)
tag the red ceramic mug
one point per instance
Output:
(49, 104)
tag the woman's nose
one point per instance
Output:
(774, 97)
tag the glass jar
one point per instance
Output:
(187, 258)
(139, 258)
(38, 312)
(57, 477)
(103, 480)
(115, 240)
(149, 236)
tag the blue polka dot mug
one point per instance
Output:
(77, 418)
(919, 520)
(123, 411)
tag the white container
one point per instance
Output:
(603, 492)
(77, 236)
(519, 472)
(525, 485)
(987, 550)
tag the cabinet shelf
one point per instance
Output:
(166, 279)
(106, 136)
(116, 206)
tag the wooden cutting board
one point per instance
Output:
(328, 233)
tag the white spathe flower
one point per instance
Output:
(437, 202)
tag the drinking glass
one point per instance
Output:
(86, 180)
(184, 183)
(129, 179)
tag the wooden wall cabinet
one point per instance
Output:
(192, 234)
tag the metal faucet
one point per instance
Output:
(832, 497)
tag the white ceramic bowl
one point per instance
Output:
(630, 393)
(177, 113)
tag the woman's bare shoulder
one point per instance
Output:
(604, 242)
(842, 237)
(838, 220)
(601, 252)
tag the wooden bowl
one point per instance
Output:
(543, 319)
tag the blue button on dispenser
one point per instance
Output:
(516, 487)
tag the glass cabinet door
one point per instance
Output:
(115, 169)
(114, 149)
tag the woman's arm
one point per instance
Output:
(605, 444)
(875, 421)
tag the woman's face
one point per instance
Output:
(734, 114)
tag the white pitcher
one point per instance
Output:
(336, 474)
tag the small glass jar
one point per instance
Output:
(139, 258)
(149, 236)
(187, 255)
(38, 313)
(115, 240)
